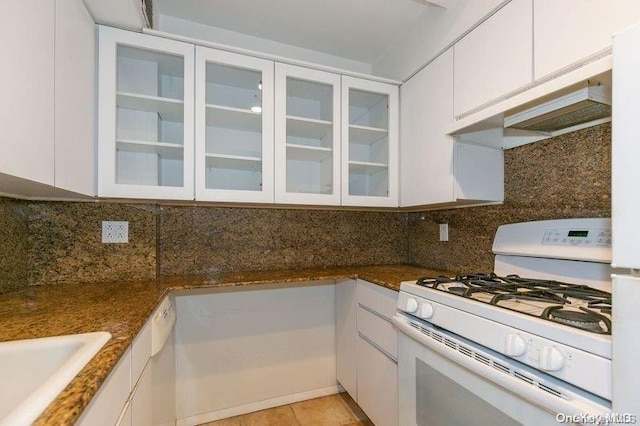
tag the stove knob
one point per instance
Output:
(412, 305)
(514, 345)
(426, 310)
(551, 359)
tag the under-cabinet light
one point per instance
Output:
(256, 109)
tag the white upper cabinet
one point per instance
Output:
(74, 98)
(47, 113)
(369, 143)
(234, 127)
(495, 58)
(146, 110)
(435, 169)
(625, 150)
(27, 82)
(568, 31)
(307, 136)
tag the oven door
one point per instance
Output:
(445, 379)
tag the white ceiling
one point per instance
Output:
(355, 29)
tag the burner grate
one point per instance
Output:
(557, 300)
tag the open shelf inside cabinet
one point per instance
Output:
(233, 135)
(149, 118)
(364, 135)
(143, 164)
(368, 149)
(233, 87)
(368, 179)
(310, 176)
(308, 153)
(368, 109)
(233, 172)
(168, 109)
(172, 151)
(233, 118)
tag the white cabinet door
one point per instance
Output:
(27, 87)
(307, 136)
(146, 102)
(369, 143)
(434, 168)
(569, 31)
(74, 98)
(234, 127)
(426, 153)
(141, 399)
(107, 405)
(625, 173)
(346, 336)
(377, 384)
(626, 346)
(495, 58)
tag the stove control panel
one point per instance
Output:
(577, 237)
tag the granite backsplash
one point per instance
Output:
(566, 176)
(52, 242)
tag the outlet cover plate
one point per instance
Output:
(444, 232)
(115, 232)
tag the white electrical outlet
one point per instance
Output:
(444, 232)
(115, 232)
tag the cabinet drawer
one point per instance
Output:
(380, 331)
(377, 392)
(379, 299)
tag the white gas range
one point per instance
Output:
(523, 345)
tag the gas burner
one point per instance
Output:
(585, 319)
(458, 290)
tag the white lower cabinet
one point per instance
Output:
(346, 335)
(377, 383)
(367, 348)
(142, 400)
(107, 405)
(140, 391)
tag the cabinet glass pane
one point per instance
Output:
(234, 128)
(149, 118)
(309, 137)
(368, 143)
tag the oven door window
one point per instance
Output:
(441, 401)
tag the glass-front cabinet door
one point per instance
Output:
(145, 116)
(307, 131)
(234, 127)
(369, 143)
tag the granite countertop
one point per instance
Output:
(122, 308)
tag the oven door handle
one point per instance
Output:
(570, 404)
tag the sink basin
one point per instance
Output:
(33, 372)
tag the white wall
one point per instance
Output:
(434, 31)
(175, 25)
(244, 346)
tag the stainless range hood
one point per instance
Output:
(576, 108)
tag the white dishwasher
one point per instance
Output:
(162, 364)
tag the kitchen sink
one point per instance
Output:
(34, 371)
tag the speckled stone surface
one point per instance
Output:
(121, 308)
(14, 265)
(210, 240)
(567, 176)
(65, 243)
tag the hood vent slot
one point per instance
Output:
(579, 107)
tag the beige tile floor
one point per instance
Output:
(332, 410)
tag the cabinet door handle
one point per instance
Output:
(378, 348)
